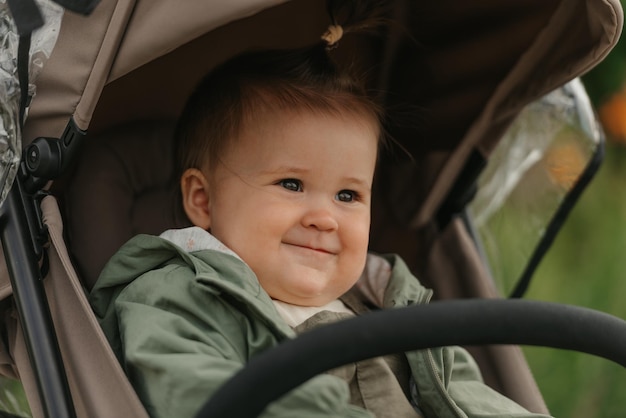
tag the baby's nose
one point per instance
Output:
(320, 218)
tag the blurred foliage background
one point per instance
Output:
(586, 265)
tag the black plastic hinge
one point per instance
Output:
(47, 158)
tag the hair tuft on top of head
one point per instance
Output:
(332, 36)
(358, 15)
(235, 94)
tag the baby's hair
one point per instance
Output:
(247, 87)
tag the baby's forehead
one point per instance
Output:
(269, 129)
(309, 139)
(290, 124)
(286, 118)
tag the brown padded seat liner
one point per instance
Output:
(127, 171)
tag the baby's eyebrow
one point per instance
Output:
(285, 169)
(359, 182)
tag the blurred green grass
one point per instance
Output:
(12, 398)
(586, 266)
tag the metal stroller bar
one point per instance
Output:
(32, 305)
(462, 322)
(23, 234)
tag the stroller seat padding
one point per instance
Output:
(122, 186)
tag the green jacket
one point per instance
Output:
(182, 323)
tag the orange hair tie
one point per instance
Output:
(332, 35)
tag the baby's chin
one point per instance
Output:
(311, 300)
(312, 290)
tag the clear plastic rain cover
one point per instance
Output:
(534, 167)
(42, 42)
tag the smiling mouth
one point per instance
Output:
(310, 248)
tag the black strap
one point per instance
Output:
(84, 7)
(22, 74)
(26, 16)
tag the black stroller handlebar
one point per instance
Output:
(466, 322)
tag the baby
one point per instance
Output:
(276, 153)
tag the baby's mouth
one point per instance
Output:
(313, 248)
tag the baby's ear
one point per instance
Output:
(195, 191)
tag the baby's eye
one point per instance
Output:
(291, 184)
(347, 196)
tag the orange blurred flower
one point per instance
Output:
(612, 114)
(565, 163)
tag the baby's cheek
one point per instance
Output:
(356, 255)
(359, 237)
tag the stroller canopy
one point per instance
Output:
(458, 71)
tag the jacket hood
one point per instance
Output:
(377, 285)
(138, 256)
(144, 253)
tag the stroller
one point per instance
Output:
(475, 75)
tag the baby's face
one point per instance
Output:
(292, 198)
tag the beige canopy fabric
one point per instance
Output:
(97, 381)
(127, 32)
